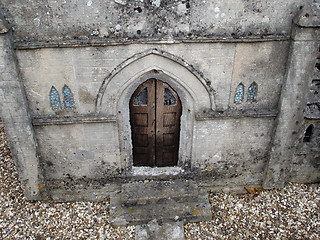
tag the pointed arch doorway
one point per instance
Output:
(155, 111)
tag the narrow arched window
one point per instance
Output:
(169, 99)
(68, 97)
(238, 97)
(308, 134)
(252, 92)
(55, 99)
(142, 98)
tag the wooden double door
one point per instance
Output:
(155, 111)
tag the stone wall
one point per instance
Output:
(224, 65)
(78, 150)
(306, 159)
(48, 21)
(244, 72)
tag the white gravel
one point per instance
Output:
(293, 213)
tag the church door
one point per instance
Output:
(155, 111)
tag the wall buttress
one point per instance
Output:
(16, 118)
(304, 48)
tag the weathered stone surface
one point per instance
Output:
(3, 27)
(81, 152)
(15, 116)
(138, 193)
(305, 167)
(84, 70)
(308, 16)
(101, 51)
(301, 66)
(160, 230)
(48, 20)
(163, 204)
(312, 109)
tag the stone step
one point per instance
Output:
(167, 206)
(158, 230)
(155, 191)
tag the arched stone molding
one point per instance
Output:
(116, 91)
(163, 60)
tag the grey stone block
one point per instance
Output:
(160, 206)
(138, 193)
(160, 230)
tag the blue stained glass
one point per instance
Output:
(239, 93)
(252, 91)
(55, 99)
(142, 98)
(68, 97)
(169, 99)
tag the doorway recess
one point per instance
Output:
(155, 111)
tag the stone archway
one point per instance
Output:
(117, 89)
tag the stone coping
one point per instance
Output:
(111, 42)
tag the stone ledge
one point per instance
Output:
(156, 171)
(308, 150)
(112, 42)
(247, 113)
(63, 120)
(312, 117)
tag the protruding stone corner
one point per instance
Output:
(35, 190)
(31, 193)
(308, 16)
(271, 183)
(274, 178)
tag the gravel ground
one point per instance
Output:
(292, 213)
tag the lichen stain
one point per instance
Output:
(197, 212)
(131, 210)
(209, 169)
